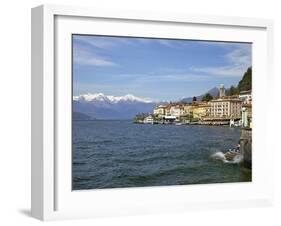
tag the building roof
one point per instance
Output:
(202, 106)
(226, 100)
(161, 106)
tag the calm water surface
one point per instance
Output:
(110, 154)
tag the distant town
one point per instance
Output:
(231, 107)
(234, 110)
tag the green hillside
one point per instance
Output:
(246, 82)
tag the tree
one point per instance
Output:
(140, 116)
(233, 91)
(207, 97)
(246, 82)
(194, 99)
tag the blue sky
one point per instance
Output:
(160, 69)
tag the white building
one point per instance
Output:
(148, 120)
(176, 111)
(246, 96)
(226, 108)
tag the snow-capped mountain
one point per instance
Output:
(113, 99)
(101, 106)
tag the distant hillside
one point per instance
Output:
(246, 82)
(214, 92)
(80, 116)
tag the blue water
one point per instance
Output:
(111, 154)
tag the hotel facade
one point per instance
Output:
(226, 108)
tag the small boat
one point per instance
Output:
(178, 124)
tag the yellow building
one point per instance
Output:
(160, 111)
(177, 110)
(201, 110)
(188, 109)
(168, 110)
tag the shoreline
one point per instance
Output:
(214, 123)
(199, 123)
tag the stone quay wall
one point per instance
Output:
(246, 147)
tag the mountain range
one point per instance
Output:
(101, 106)
(214, 92)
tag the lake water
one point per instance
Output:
(111, 154)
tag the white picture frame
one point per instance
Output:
(52, 197)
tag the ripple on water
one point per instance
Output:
(110, 154)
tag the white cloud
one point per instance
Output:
(240, 56)
(230, 71)
(167, 77)
(94, 41)
(164, 42)
(83, 57)
(239, 59)
(102, 42)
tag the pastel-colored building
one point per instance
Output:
(160, 111)
(188, 109)
(201, 110)
(168, 110)
(148, 120)
(225, 108)
(177, 110)
(246, 96)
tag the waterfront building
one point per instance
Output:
(148, 120)
(246, 96)
(188, 109)
(201, 110)
(168, 110)
(160, 111)
(177, 110)
(225, 108)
